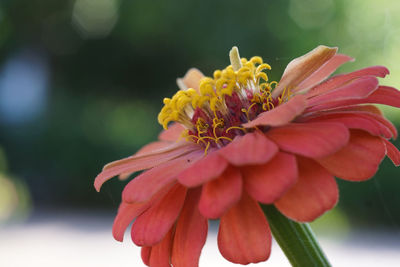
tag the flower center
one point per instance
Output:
(213, 115)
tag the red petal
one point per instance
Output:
(150, 182)
(324, 71)
(315, 193)
(161, 253)
(357, 89)
(280, 115)
(145, 253)
(383, 95)
(141, 162)
(220, 194)
(151, 226)
(190, 234)
(392, 152)
(209, 167)
(266, 183)
(252, 148)
(303, 67)
(358, 160)
(372, 123)
(244, 236)
(315, 140)
(173, 133)
(339, 80)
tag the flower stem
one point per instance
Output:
(296, 240)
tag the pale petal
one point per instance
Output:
(314, 193)
(173, 133)
(190, 80)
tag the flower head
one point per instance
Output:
(238, 140)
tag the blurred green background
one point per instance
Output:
(82, 81)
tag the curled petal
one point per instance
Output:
(315, 140)
(142, 162)
(190, 234)
(252, 148)
(303, 67)
(339, 80)
(392, 152)
(151, 226)
(244, 236)
(209, 167)
(266, 183)
(314, 193)
(220, 194)
(280, 115)
(323, 72)
(358, 160)
(150, 182)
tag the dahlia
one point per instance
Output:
(236, 140)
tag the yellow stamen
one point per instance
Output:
(235, 58)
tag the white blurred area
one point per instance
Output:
(84, 239)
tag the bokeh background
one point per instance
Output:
(82, 81)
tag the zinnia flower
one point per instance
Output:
(238, 140)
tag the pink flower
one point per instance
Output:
(238, 140)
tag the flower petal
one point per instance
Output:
(190, 234)
(357, 89)
(220, 194)
(244, 236)
(339, 80)
(266, 183)
(323, 72)
(392, 152)
(250, 149)
(209, 167)
(141, 162)
(314, 193)
(190, 80)
(150, 182)
(280, 115)
(152, 225)
(303, 67)
(173, 132)
(161, 253)
(145, 254)
(358, 160)
(315, 140)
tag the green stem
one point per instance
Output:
(296, 240)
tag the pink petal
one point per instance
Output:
(220, 194)
(323, 72)
(374, 124)
(191, 80)
(315, 140)
(173, 133)
(392, 152)
(280, 115)
(266, 183)
(358, 160)
(250, 149)
(383, 95)
(357, 89)
(151, 226)
(339, 80)
(141, 162)
(209, 167)
(303, 67)
(190, 234)
(315, 193)
(145, 254)
(161, 253)
(150, 182)
(244, 236)
(127, 212)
